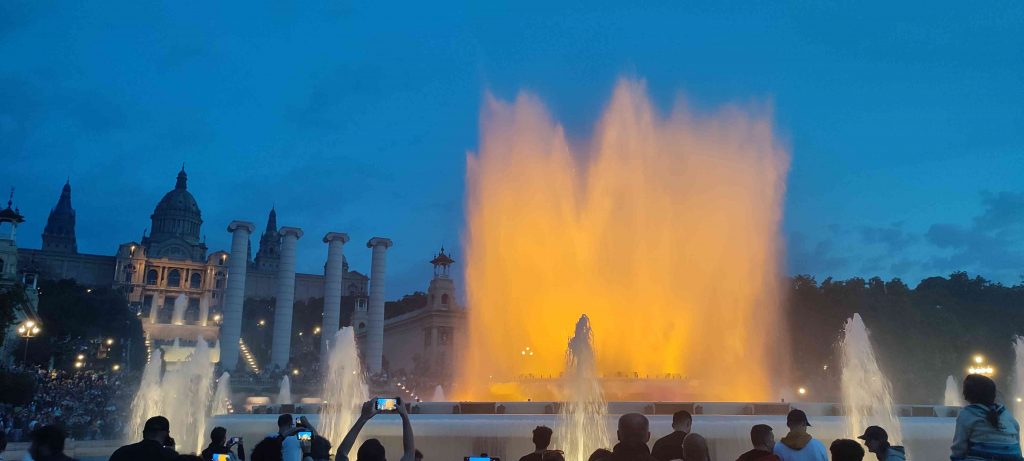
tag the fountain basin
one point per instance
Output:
(507, 436)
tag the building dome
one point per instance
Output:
(177, 215)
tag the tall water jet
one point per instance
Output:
(581, 419)
(284, 393)
(178, 314)
(867, 394)
(222, 396)
(438, 395)
(665, 226)
(1018, 379)
(345, 388)
(952, 398)
(182, 395)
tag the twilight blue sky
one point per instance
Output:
(906, 124)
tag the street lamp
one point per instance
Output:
(28, 329)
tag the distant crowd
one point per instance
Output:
(86, 404)
(985, 431)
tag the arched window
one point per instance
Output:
(219, 281)
(174, 278)
(151, 277)
(444, 299)
(197, 280)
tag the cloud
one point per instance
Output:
(990, 245)
(807, 257)
(893, 237)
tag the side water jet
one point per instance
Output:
(344, 387)
(182, 395)
(581, 419)
(222, 396)
(952, 396)
(1018, 379)
(178, 314)
(867, 394)
(438, 395)
(284, 394)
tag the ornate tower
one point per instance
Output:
(10, 217)
(268, 257)
(441, 293)
(176, 222)
(59, 234)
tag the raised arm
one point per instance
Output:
(408, 443)
(350, 438)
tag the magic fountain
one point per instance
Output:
(664, 229)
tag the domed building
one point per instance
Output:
(176, 221)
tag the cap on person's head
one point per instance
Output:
(796, 417)
(370, 450)
(875, 433)
(284, 420)
(156, 424)
(218, 434)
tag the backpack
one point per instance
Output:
(269, 449)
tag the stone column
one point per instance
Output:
(280, 347)
(333, 275)
(234, 297)
(375, 316)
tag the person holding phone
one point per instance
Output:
(220, 444)
(372, 449)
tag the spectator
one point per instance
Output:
(984, 430)
(695, 448)
(282, 445)
(371, 449)
(599, 455)
(48, 444)
(156, 444)
(798, 445)
(3, 441)
(418, 455)
(634, 432)
(219, 444)
(541, 440)
(670, 446)
(846, 450)
(877, 441)
(763, 440)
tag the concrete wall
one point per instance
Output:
(86, 269)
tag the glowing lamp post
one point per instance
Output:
(979, 367)
(28, 329)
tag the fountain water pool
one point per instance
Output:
(284, 393)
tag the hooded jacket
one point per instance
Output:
(895, 454)
(800, 446)
(976, 439)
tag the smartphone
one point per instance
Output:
(221, 457)
(387, 405)
(234, 441)
(480, 458)
(304, 436)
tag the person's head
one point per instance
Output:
(846, 450)
(218, 436)
(284, 422)
(542, 437)
(371, 450)
(796, 420)
(46, 441)
(979, 389)
(761, 436)
(418, 455)
(695, 448)
(599, 454)
(157, 428)
(682, 421)
(634, 428)
(875, 438)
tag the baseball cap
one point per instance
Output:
(874, 433)
(157, 423)
(795, 417)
